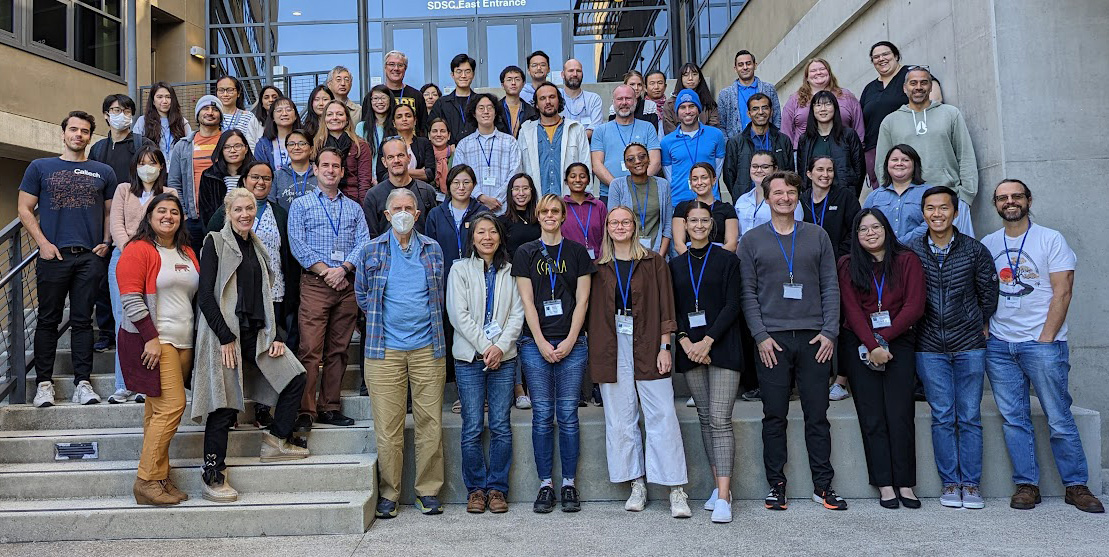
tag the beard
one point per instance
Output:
(1021, 213)
(573, 82)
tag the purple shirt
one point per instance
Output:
(796, 118)
(585, 223)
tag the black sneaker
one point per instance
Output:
(104, 344)
(597, 396)
(262, 417)
(545, 501)
(362, 390)
(429, 504)
(570, 503)
(386, 508)
(918, 394)
(776, 499)
(303, 424)
(334, 417)
(754, 395)
(829, 499)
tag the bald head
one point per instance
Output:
(623, 102)
(572, 74)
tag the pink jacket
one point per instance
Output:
(127, 212)
(796, 118)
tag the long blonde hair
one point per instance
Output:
(804, 93)
(321, 134)
(608, 249)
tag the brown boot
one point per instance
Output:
(150, 492)
(497, 502)
(476, 503)
(1081, 498)
(1026, 497)
(171, 489)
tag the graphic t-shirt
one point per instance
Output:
(574, 262)
(177, 283)
(71, 199)
(1045, 252)
(203, 147)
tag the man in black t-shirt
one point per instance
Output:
(396, 65)
(73, 195)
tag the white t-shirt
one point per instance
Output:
(177, 283)
(752, 214)
(1045, 252)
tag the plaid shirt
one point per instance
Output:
(312, 222)
(496, 155)
(940, 253)
(371, 272)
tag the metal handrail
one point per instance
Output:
(15, 388)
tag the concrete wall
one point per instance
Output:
(1026, 76)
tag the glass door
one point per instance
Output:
(411, 38)
(502, 44)
(549, 35)
(450, 38)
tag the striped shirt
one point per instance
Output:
(320, 227)
(495, 158)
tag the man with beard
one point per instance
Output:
(395, 154)
(1027, 346)
(552, 143)
(759, 135)
(688, 145)
(611, 138)
(539, 66)
(190, 157)
(583, 106)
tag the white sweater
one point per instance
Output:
(466, 309)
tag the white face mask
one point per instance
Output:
(119, 121)
(402, 222)
(148, 172)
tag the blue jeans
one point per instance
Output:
(555, 391)
(117, 307)
(953, 383)
(1012, 367)
(475, 388)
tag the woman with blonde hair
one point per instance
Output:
(819, 77)
(337, 131)
(630, 325)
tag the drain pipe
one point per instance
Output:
(132, 53)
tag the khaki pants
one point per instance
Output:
(387, 381)
(163, 413)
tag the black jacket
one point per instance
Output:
(737, 158)
(847, 153)
(962, 295)
(839, 210)
(453, 110)
(526, 112)
(210, 193)
(119, 155)
(373, 206)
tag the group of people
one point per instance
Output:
(531, 251)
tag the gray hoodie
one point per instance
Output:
(946, 154)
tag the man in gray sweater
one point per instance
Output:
(790, 294)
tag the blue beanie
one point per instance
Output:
(688, 96)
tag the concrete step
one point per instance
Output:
(104, 362)
(254, 514)
(91, 478)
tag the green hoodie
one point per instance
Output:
(946, 154)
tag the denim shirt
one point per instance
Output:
(903, 211)
(550, 160)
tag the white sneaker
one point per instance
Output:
(837, 392)
(638, 499)
(84, 394)
(710, 504)
(44, 396)
(121, 396)
(679, 503)
(523, 402)
(722, 513)
(690, 403)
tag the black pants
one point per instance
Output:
(196, 230)
(105, 321)
(748, 376)
(884, 402)
(797, 359)
(76, 275)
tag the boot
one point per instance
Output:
(150, 492)
(171, 489)
(216, 487)
(274, 449)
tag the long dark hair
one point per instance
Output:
(311, 120)
(240, 102)
(861, 263)
(528, 212)
(812, 129)
(708, 102)
(159, 182)
(152, 121)
(146, 231)
(500, 257)
(270, 131)
(369, 117)
(471, 110)
(218, 163)
(261, 113)
(918, 173)
(391, 125)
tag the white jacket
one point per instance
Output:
(466, 309)
(575, 148)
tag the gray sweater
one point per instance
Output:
(763, 270)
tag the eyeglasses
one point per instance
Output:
(627, 223)
(260, 178)
(461, 71)
(284, 109)
(763, 167)
(639, 157)
(465, 183)
(396, 65)
(342, 79)
(235, 147)
(875, 228)
(698, 220)
(1014, 197)
(226, 90)
(115, 110)
(296, 144)
(823, 104)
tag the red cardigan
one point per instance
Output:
(904, 300)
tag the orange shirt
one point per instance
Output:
(203, 147)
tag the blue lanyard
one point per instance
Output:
(625, 291)
(334, 226)
(823, 211)
(297, 188)
(461, 110)
(576, 115)
(757, 207)
(792, 247)
(458, 227)
(697, 283)
(646, 199)
(588, 220)
(262, 211)
(234, 120)
(489, 157)
(880, 287)
(696, 146)
(631, 133)
(1015, 269)
(490, 281)
(519, 111)
(552, 271)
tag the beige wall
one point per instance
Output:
(759, 28)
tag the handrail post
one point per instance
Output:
(17, 348)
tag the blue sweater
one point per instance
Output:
(441, 227)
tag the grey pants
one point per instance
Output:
(714, 390)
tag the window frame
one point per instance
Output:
(23, 24)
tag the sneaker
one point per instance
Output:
(475, 503)
(429, 504)
(217, 489)
(263, 419)
(638, 499)
(104, 344)
(523, 402)
(275, 449)
(1026, 497)
(972, 497)
(776, 499)
(497, 502)
(597, 401)
(1085, 501)
(121, 396)
(84, 394)
(456, 408)
(679, 503)
(44, 396)
(951, 496)
(710, 503)
(570, 502)
(829, 499)
(303, 424)
(545, 501)
(691, 403)
(837, 392)
(754, 395)
(140, 398)
(722, 512)
(385, 508)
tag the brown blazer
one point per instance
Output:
(652, 300)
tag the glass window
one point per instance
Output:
(7, 19)
(377, 68)
(241, 68)
(411, 41)
(448, 41)
(322, 63)
(96, 40)
(112, 7)
(548, 38)
(309, 38)
(588, 55)
(501, 50)
(374, 33)
(719, 19)
(48, 24)
(313, 10)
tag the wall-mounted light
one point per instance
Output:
(297, 13)
(197, 51)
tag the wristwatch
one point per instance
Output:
(664, 347)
